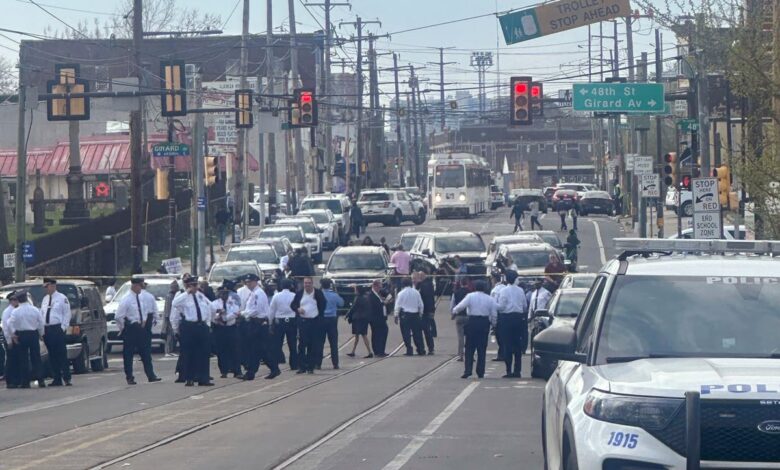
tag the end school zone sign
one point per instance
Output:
(559, 16)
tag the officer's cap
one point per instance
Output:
(137, 280)
(21, 296)
(11, 295)
(227, 284)
(251, 277)
(49, 280)
(189, 280)
(511, 277)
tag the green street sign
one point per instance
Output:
(170, 149)
(550, 18)
(619, 97)
(688, 125)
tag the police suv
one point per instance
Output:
(673, 363)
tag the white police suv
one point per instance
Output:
(673, 363)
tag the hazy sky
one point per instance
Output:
(557, 56)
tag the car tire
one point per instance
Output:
(420, 219)
(568, 450)
(687, 209)
(99, 364)
(109, 348)
(81, 363)
(396, 221)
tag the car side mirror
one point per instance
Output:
(84, 302)
(321, 267)
(558, 344)
(427, 252)
(542, 313)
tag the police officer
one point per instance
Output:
(310, 305)
(258, 314)
(135, 316)
(25, 327)
(540, 297)
(330, 321)
(498, 286)
(424, 285)
(513, 324)
(191, 316)
(226, 310)
(56, 313)
(409, 307)
(285, 323)
(482, 311)
(244, 333)
(12, 362)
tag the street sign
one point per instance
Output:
(629, 162)
(651, 185)
(688, 125)
(619, 97)
(170, 149)
(173, 265)
(705, 195)
(564, 95)
(559, 16)
(201, 203)
(643, 165)
(706, 225)
(9, 260)
(28, 252)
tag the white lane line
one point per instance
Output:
(600, 242)
(408, 452)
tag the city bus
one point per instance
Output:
(459, 185)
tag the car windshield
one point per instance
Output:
(373, 197)
(158, 290)
(454, 245)
(291, 233)
(582, 280)
(530, 259)
(569, 303)
(307, 225)
(407, 241)
(319, 217)
(450, 176)
(221, 272)
(259, 255)
(683, 316)
(356, 262)
(516, 241)
(333, 204)
(551, 239)
(277, 244)
(596, 195)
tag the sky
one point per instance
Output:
(558, 56)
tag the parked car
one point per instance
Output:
(496, 197)
(551, 238)
(351, 266)
(281, 245)
(87, 335)
(409, 238)
(528, 259)
(526, 196)
(158, 286)
(339, 205)
(563, 309)
(597, 202)
(311, 231)
(564, 199)
(515, 239)
(291, 232)
(390, 207)
(435, 253)
(232, 270)
(327, 223)
(263, 254)
(580, 188)
(255, 210)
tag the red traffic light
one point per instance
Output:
(670, 157)
(521, 88)
(305, 97)
(535, 91)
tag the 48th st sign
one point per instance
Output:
(619, 97)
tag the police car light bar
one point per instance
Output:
(655, 245)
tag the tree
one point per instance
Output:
(8, 83)
(162, 15)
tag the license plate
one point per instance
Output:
(597, 207)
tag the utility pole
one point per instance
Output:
(442, 105)
(702, 93)
(413, 112)
(410, 151)
(642, 151)
(136, 150)
(300, 164)
(659, 132)
(269, 76)
(171, 194)
(401, 159)
(424, 139)
(21, 180)
(199, 154)
(239, 198)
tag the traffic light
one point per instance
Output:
(243, 104)
(174, 97)
(306, 104)
(211, 173)
(537, 94)
(724, 183)
(521, 101)
(670, 169)
(161, 184)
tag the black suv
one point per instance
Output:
(87, 334)
(435, 253)
(351, 266)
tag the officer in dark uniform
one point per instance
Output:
(191, 316)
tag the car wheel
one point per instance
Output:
(569, 452)
(420, 219)
(81, 363)
(396, 219)
(109, 348)
(99, 364)
(687, 209)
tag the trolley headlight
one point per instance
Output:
(438, 197)
(462, 196)
(643, 412)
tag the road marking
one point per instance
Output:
(600, 242)
(408, 452)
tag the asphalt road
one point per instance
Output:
(391, 413)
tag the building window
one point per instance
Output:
(572, 147)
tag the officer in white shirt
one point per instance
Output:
(191, 315)
(244, 333)
(513, 324)
(25, 327)
(310, 304)
(225, 330)
(409, 307)
(258, 314)
(540, 297)
(498, 286)
(12, 362)
(135, 316)
(482, 311)
(56, 313)
(285, 323)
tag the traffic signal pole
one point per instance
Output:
(659, 134)
(136, 150)
(21, 182)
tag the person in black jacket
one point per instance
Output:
(359, 316)
(425, 286)
(309, 303)
(300, 266)
(379, 300)
(518, 214)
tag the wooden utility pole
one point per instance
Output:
(21, 180)
(136, 150)
(269, 76)
(442, 104)
(300, 164)
(401, 162)
(413, 112)
(239, 198)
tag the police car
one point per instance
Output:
(390, 207)
(673, 363)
